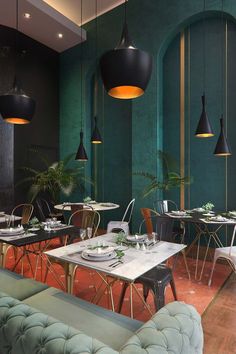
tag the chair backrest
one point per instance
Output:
(23, 210)
(163, 206)
(44, 209)
(84, 218)
(129, 211)
(148, 216)
(164, 228)
(232, 240)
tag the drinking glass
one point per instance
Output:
(82, 234)
(7, 220)
(89, 232)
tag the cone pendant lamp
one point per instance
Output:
(81, 153)
(126, 70)
(204, 129)
(96, 136)
(222, 147)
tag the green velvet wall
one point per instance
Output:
(134, 130)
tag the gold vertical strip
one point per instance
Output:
(226, 110)
(182, 115)
(95, 164)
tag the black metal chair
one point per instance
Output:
(45, 210)
(159, 277)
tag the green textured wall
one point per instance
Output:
(133, 130)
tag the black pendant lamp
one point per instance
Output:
(222, 147)
(204, 129)
(15, 106)
(126, 70)
(81, 153)
(96, 136)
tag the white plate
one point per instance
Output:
(13, 232)
(98, 259)
(215, 218)
(136, 238)
(199, 210)
(34, 229)
(102, 251)
(2, 213)
(91, 202)
(178, 213)
(108, 204)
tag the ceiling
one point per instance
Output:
(51, 17)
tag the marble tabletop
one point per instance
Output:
(136, 262)
(96, 206)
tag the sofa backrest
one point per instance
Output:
(25, 330)
(175, 329)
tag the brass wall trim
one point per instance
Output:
(182, 116)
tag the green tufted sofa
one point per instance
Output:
(24, 329)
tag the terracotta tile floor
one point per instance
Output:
(191, 291)
(219, 321)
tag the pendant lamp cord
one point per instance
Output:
(222, 57)
(204, 48)
(96, 76)
(125, 11)
(16, 43)
(81, 66)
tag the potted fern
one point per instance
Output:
(56, 179)
(170, 176)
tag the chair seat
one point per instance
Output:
(223, 252)
(159, 274)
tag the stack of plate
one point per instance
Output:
(12, 231)
(179, 213)
(99, 254)
(218, 218)
(136, 238)
(2, 213)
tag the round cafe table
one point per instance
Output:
(96, 206)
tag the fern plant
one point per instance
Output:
(170, 178)
(55, 179)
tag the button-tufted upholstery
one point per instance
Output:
(175, 329)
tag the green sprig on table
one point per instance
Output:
(119, 254)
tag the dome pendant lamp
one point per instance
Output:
(204, 129)
(126, 70)
(81, 153)
(15, 106)
(222, 147)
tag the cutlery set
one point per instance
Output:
(115, 264)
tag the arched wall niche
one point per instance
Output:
(203, 41)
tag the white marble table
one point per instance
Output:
(96, 206)
(3, 220)
(135, 263)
